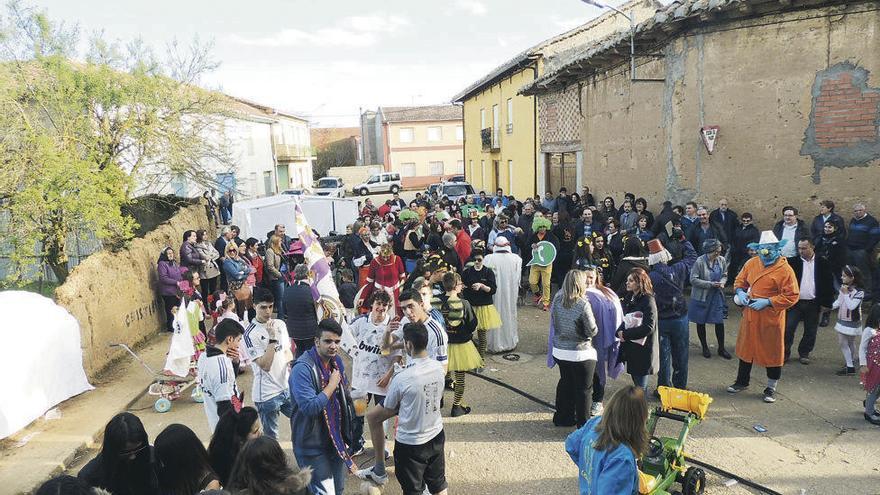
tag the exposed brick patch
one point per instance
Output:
(844, 128)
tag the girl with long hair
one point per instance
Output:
(262, 469)
(849, 316)
(607, 447)
(640, 348)
(231, 433)
(182, 462)
(125, 464)
(574, 327)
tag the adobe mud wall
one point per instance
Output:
(796, 101)
(114, 295)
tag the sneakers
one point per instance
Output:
(460, 411)
(596, 409)
(369, 474)
(804, 359)
(358, 452)
(846, 371)
(769, 394)
(545, 307)
(736, 388)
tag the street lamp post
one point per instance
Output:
(632, 33)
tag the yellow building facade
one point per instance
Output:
(502, 139)
(500, 136)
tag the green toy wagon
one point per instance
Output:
(664, 464)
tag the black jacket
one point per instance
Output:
(486, 277)
(832, 248)
(302, 317)
(698, 236)
(823, 280)
(800, 233)
(817, 228)
(728, 223)
(640, 359)
(742, 237)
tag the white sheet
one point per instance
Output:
(44, 359)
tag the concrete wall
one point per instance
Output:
(114, 296)
(776, 87)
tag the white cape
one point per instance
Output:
(508, 273)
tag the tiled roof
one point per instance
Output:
(421, 113)
(582, 62)
(525, 58)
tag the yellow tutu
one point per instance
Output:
(464, 357)
(487, 317)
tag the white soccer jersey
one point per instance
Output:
(268, 384)
(217, 379)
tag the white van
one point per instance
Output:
(330, 186)
(384, 182)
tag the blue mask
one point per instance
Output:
(769, 252)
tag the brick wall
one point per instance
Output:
(845, 113)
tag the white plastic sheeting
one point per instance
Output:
(43, 360)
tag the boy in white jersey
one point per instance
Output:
(414, 396)
(267, 347)
(216, 373)
(414, 312)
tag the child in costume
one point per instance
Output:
(460, 325)
(869, 356)
(386, 273)
(479, 289)
(849, 316)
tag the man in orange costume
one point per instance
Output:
(765, 288)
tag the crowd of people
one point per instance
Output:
(431, 287)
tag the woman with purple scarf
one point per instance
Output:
(322, 412)
(609, 315)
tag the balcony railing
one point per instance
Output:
(490, 139)
(291, 151)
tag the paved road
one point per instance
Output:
(816, 440)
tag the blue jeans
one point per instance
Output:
(277, 287)
(328, 473)
(269, 412)
(674, 341)
(641, 381)
(871, 400)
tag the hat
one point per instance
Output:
(657, 253)
(768, 237)
(502, 244)
(435, 263)
(710, 245)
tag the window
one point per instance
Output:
(408, 169)
(509, 115)
(496, 122)
(459, 167)
(482, 118)
(436, 168)
(435, 133)
(374, 179)
(459, 133)
(406, 134)
(509, 174)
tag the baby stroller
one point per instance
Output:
(167, 386)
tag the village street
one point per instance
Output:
(816, 441)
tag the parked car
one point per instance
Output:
(295, 192)
(452, 190)
(384, 182)
(330, 186)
